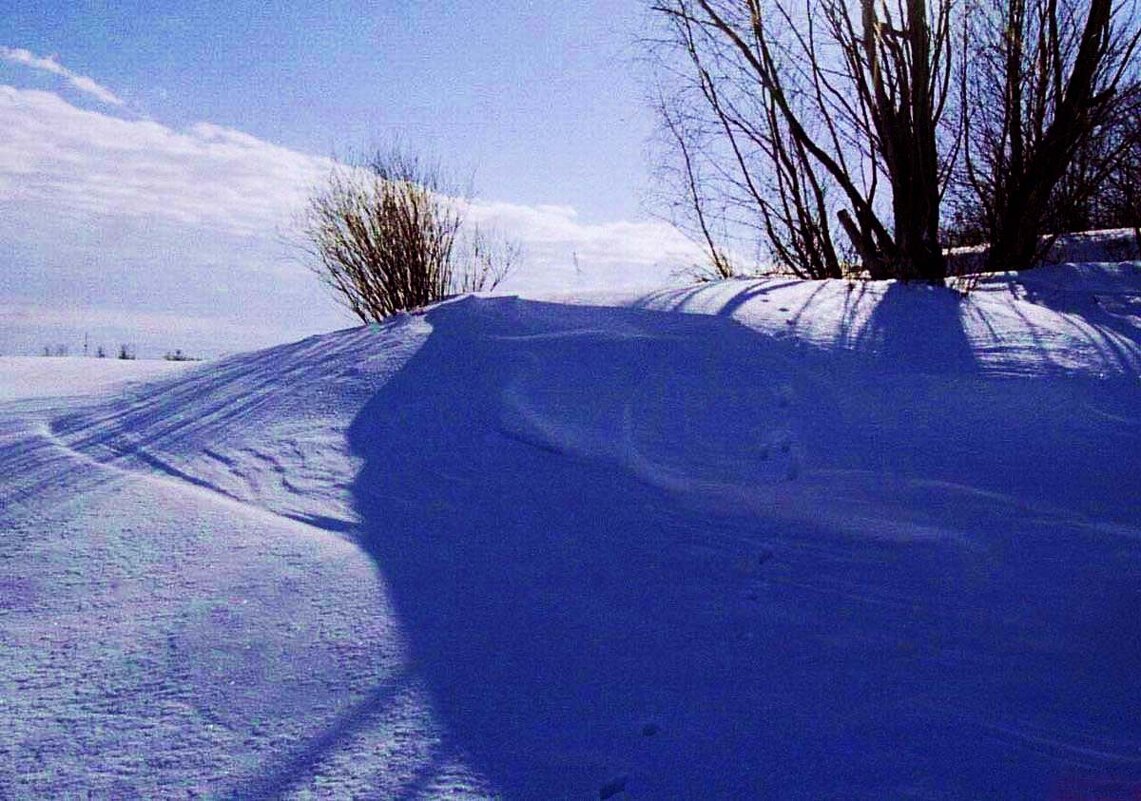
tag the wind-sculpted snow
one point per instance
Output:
(1066, 319)
(819, 576)
(267, 428)
(518, 549)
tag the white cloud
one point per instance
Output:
(102, 212)
(568, 254)
(79, 160)
(49, 64)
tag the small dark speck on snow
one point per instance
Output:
(612, 788)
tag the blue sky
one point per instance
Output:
(155, 153)
(537, 99)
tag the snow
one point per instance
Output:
(753, 539)
(24, 377)
(1108, 245)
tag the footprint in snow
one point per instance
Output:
(793, 471)
(784, 396)
(612, 788)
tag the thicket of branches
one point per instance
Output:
(1044, 85)
(828, 135)
(390, 234)
(1102, 187)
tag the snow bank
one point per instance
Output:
(810, 541)
(23, 377)
(1065, 319)
(1109, 246)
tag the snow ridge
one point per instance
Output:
(809, 542)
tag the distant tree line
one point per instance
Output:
(836, 138)
(125, 352)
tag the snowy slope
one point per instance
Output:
(810, 541)
(24, 378)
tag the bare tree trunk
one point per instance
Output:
(903, 102)
(1037, 154)
(915, 184)
(1015, 243)
(816, 110)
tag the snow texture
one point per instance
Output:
(25, 378)
(806, 541)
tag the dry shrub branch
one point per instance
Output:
(390, 234)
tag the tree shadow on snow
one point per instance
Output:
(535, 491)
(524, 560)
(919, 328)
(584, 625)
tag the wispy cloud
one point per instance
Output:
(49, 64)
(79, 161)
(97, 211)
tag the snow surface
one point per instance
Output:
(25, 377)
(811, 540)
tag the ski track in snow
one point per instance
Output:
(195, 648)
(519, 549)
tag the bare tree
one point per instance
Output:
(1117, 204)
(806, 121)
(1094, 192)
(1100, 187)
(1041, 83)
(687, 196)
(390, 234)
(1125, 188)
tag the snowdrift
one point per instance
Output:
(811, 540)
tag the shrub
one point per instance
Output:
(178, 356)
(390, 234)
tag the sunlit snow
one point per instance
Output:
(751, 539)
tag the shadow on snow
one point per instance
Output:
(532, 491)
